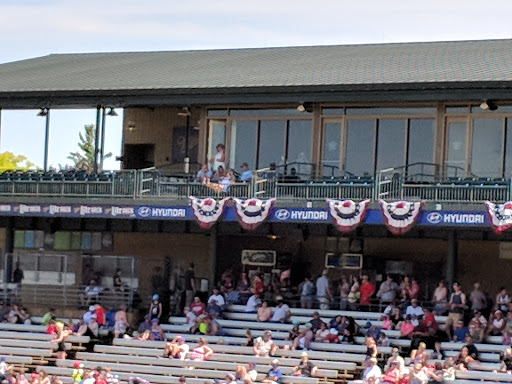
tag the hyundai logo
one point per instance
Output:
(282, 214)
(144, 211)
(434, 217)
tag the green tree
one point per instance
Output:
(10, 162)
(83, 159)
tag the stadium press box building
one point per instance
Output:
(385, 158)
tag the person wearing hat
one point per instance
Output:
(282, 311)
(372, 372)
(156, 331)
(264, 345)
(323, 290)
(155, 309)
(316, 322)
(246, 174)
(176, 348)
(251, 370)
(372, 330)
(414, 309)
(305, 368)
(78, 371)
(304, 339)
(395, 358)
(274, 374)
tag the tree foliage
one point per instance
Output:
(10, 162)
(83, 159)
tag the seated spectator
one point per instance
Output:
(305, 368)
(463, 359)
(101, 317)
(198, 307)
(321, 333)
(439, 298)
(120, 322)
(202, 324)
(92, 292)
(506, 361)
(213, 309)
(249, 338)
(219, 174)
(316, 322)
(336, 322)
(145, 325)
(459, 332)
(272, 173)
(264, 345)
(372, 330)
(406, 328)
(88, 315)
(304, 339)
(243, 288)
(419, 355)
(382, 340)
(214, 328)
(191, 320)
(274, 375)
(253, 303)
(332, 337)
(202, 351)
(16, 315)
(438, 353)
(350, 330)
(48, 316)
(156, 331)
(392, 375)
(204, 174)
(218, 298)
(176, 348)
(448, 370)
(496, 324)
(110, 316)
(502, 300)
(282, 312)
(293, 177)
(93, 326)
(418, 374)
(251, 370)
(294, 332)
(264, 312)
(372, 372)
(241, 375)
(470, 345)
(414, 309)
(396, 318)
(477, 326)
(420, 334)
(246, 174)
(395, 358)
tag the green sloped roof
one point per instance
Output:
(337, 66)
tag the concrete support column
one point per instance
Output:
(212, 253)
(451, 258)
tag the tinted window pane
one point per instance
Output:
(268, 112)
(217, 112)
(508, 150)
(421, 148)
(332, 111)
(331, 149)
(486, 152)
(243, 144)
(391, 145)
(391, 111)
(360, 147)
(271, 144)
(299, 145)
(457, 109)
(456, 161)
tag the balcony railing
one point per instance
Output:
(390, 184)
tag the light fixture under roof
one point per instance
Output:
(184, 111)
(112, 112)
(43, 112)
(305, 107)
(489, 105)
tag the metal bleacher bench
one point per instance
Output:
(41, 337)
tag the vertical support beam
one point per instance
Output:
(213, 257)
(96, 139)
(0, 127)
(46, 139)
(451, 258)
(186, 160)
(102, 149)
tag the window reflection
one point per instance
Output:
(456, 149)
(331, 149)
(299, 146)
(243, 143)
(420, 151)
(360, 147)
(486, 153)
(391, 144)
(271, 143)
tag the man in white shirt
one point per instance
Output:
(264, 345)
(281, 313)
(191, 319)
(323, 291)
(414, 309)
(253, 303)
(218, 298)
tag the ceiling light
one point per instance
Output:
(305, 107)
(112, 112)
(489, 105)
(43, 112)
(184, 112)
(301, 108)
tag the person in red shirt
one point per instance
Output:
(51, 329)
(414, 289)
(367, 290)
(430, 321)
(197, 307)
(332, 337)
(100, 315)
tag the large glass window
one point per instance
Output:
(271, 143)
(244, 134)
(216, 136)
(487, 148)
(391, 144)
(331, 149)
(360, 147)
(420, 150)
(508, 150)
(456, 149)
(299, 145)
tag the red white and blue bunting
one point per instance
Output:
(400, 216)
(207, 211)
(500, 215)
(347, 214)
(252, 212)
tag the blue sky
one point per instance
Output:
(31, 28)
